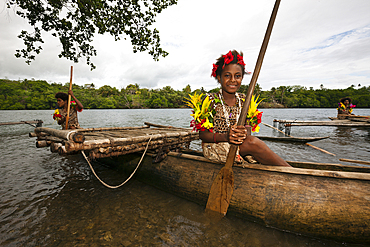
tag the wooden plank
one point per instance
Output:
(356, 161)
(109, 142)
(332, 123)
(21, 122)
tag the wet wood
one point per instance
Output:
(133, 148)
(54, 132)
(50, 138)
(55, 146)
(111, 129)
(22, 122)
(328, 166)
(320, 203)
(352, 121)
(165, 126)
(43, 143)
(63, 134)
(320, 149)
(360, 119)
(78, 137)
(292, 139)
(356, 161)
(32, 134)
(91, 144)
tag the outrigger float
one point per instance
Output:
(329, 201)
(353, 121)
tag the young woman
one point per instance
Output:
(76, 106)
(345, 108)
(229, 71)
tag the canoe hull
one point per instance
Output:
(324, 204)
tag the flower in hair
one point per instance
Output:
(215, 67)
(240, 60)
(228, 58)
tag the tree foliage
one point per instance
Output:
(75, 22)
(38, 94)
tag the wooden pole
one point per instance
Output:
(356, 161)
(69, 98)
(322, 150)
(223, 185)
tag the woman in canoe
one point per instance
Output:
(345, 108)
(61, 113)
(216, 116)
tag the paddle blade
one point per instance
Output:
(221, 191)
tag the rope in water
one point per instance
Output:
(132, 174)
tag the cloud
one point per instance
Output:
(313, 42)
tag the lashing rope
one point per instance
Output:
(132, 174)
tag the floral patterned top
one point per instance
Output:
(220, 122)
(73, 120)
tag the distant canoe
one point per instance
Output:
(291, 139)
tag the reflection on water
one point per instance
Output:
(51, 200)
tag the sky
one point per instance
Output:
(313, 43)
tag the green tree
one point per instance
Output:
(187, 89)
(76, 22)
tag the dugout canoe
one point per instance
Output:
(330, 201)
(291, 138)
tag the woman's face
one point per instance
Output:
(346, 102)
(231, 78)
(60, 102)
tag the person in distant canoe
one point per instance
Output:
(216, 116)
(345, 108)
(61, 113)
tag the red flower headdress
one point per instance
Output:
(228, 58)
(215, 67)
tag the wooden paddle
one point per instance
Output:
(223, 185)
(69, 99)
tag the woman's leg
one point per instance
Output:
(261, 152)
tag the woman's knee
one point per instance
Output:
(250, 144)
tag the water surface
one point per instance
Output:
(52, 200)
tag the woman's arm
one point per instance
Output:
(236, 135)
(79, 105)
(207, 136)
(62, 120)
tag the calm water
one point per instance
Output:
(51, 200)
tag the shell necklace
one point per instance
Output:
(226, 113)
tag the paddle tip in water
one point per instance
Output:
(221, 191)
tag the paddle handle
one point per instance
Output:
(257, 69)
(244, 112)
(69, 99)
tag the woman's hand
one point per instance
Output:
(237, 134)
(70, 92)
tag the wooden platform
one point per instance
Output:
(108, 142)
(336, 122)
